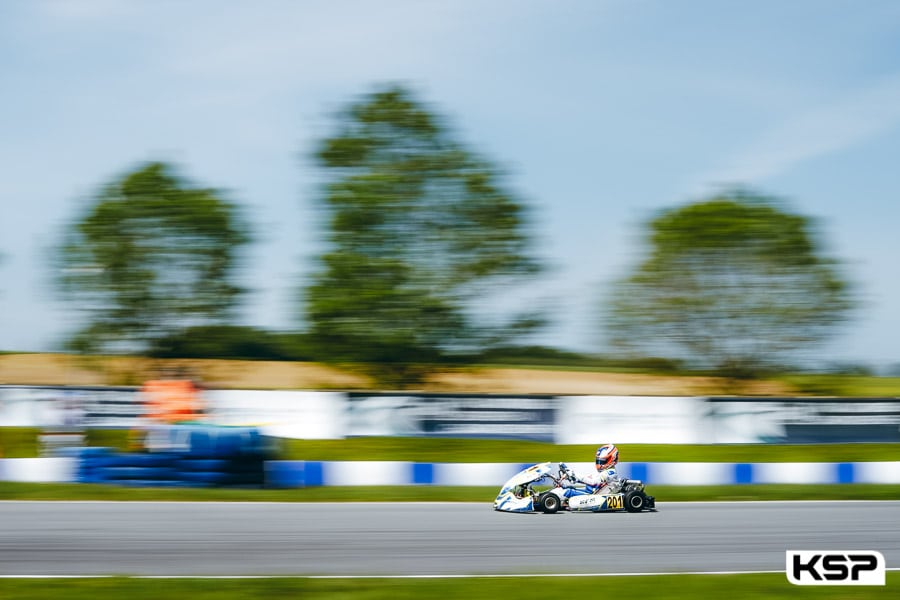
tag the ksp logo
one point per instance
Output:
(834, 567)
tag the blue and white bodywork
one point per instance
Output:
(516, 494)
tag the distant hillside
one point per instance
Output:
(60, 369)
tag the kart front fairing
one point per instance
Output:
(512, 497)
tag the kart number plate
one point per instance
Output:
(615, 502)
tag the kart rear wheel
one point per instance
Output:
(549, 503)
(635, 501)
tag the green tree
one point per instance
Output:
(733, 283)
(151, 256)
(419, 231)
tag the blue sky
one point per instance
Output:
(601, 113)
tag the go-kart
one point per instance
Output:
(520, 493)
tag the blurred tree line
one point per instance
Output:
(419, 231)
(734, 284)
(151, 257)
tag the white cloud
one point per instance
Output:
(817, 132)
(87, 11)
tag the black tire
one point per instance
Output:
(549, 503)
(635, 501)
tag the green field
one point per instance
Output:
(18, 442)
(467, 450)
(848, 386)
(734, 587)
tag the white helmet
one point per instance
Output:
(607, 457)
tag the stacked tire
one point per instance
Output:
(225, 456)
(191, 456)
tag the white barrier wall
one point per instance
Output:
(371, 473)
(630, 420)
(878, 472)
(38, 470)
(473, 474)
(451, 415)
(393, 473)
(809, 473)
(288, 414)
(555, 419)
(802, 420)
(690, 473)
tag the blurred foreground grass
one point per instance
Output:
(415, 493)
(734, 587)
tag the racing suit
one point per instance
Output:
(594, 482)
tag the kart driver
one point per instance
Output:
(605, 461)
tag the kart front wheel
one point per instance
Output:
(549, 503)
(635, 501)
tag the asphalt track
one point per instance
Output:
(235, 539)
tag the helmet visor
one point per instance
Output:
(609, 459)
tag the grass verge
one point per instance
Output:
(411, 493)
(856, 386)
(469, 450)
(735, 587)
(18, 442)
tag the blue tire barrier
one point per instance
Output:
(161, 483)
(194, 455)
(150, 459)
(106, 461)
(91, 478)
(152, 473)
(209, 477)
(203, 464)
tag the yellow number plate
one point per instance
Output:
(615, 502)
